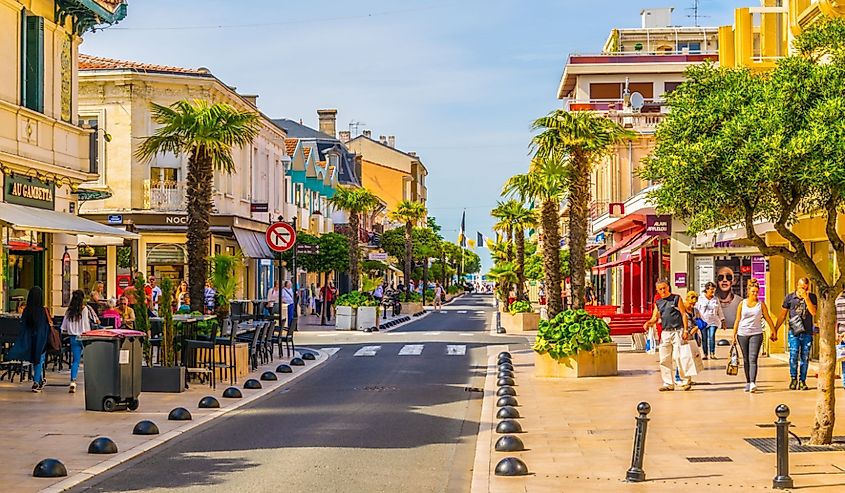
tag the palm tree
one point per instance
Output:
(514, 218)
(410, 213)
(504, 225)
(580, 139)
(505, 276)
(206, 132)
(546, 182)
(355, 201)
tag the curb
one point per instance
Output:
(484, 441)
(138, 450)
(413, 318)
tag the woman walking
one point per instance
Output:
(438, 296)
(77, 321)
(748, 332)
(31, 344)
(710, 310)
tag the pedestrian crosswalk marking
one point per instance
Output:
(480, 312)
(330, 350)
(466, 334)
(367, 351)
(411, 350)
(456, 350)
(462, 311)
(431, 333)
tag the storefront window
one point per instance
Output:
(23, 268)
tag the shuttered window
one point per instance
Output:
(32, 66)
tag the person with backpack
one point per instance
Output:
(32, 342)
(799, 308)
(76, 322)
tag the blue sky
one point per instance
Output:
(456, 81)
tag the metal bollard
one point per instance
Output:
(635, 473)
(782, 480)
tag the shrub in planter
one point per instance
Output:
(354, 299)
(570, 332)
(521, 307)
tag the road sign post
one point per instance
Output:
(281, 236)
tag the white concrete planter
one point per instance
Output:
(367, 317)
(345, 318)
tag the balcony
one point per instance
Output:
(643, 57)
(165, 195)
(651, 105)
(598, 208)
(643, 123)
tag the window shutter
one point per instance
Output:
(32, 73)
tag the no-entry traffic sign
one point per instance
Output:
(280, 236)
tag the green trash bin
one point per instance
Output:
(112, 369)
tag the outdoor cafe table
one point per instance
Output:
(189, 326)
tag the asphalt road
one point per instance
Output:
(378, 421)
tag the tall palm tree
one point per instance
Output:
(514, 218)
(410, 213)
(546, 182)
(505, 276)
(504, 225)
(207, 132)
(580, 139)
(355, 201)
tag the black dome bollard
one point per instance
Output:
(507, 412)
(232, 393)
(50, 468)
(506, 381)
(509, 443)
(723, 342)
(506, 374)
(102, 445)
(268, 375)
(252, 384)
(179, 414)
(284, 369)
(511, 466)
(308, 356)
(145, 427)
(505, 391)
(507, 400)
(502, 361)
(297, 362)
(504, 354)
(209, 402)
(506, 366)
(508, 426)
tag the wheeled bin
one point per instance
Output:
(112, 369)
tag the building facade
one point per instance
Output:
(44, 150)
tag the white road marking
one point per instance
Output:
(462, 311)
(411, 350)
(431, 333)
(480, 312)
(457, 350)
(466, 334)
(367, 351)
(325, 335)
(330, 350)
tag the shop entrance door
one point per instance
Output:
(26, 270)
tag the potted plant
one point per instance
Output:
(346, 314)
(168, 377)
(574, 344)
(368, 313)
(521, 317)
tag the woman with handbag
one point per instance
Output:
(799, 308)
(76, 322)
(36, 332)
(748, 332)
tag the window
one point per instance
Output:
(167, 177)
(288, 190)
(689, 47)
(670, 86)
(92, 122)
(606, 90)
(32, 62)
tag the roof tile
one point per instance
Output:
(290, 146)
(89, 62)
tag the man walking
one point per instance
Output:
(672, 313)
(799, 308)
(287, 300)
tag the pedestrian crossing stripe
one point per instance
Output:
(330, 350)
(367, 351)
(466, 334)
(431, 333)
(411, 350)
(462, 311)
(456, 350)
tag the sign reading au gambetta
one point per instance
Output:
(658, 225)
(23, 190)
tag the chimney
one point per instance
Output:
(344, 136)
(367, 133)
(391, 140)
(328, 121)
(382, 139)
(412, 153)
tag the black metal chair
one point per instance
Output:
(225, 343)
(201, 358)
(156, 331)
(287, 338)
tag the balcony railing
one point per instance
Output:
(598, 208)
(166, 195)
(651, 104)
(640, 122)
(642, 57)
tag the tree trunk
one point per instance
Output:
(550, 219)
(409, 251)
(825, 399)
(354, 253)
(519, 239)
(199, 206)
(579, 199)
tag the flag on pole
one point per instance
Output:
(462, 239)
(480, 239)
(471, 244)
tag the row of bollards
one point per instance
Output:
(507, 403)
(54, 468)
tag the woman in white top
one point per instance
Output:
(438, 296)
(76, 322)
(748, 331)
(710, 310)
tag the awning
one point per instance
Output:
(46, 221)
(253, 243)
(641, 242)
(622, 244)
(624, 258)
(98, 240)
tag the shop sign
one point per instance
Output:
(258, 207)
(114, 219)
(181, 220)
(123, 281)
(600, 238)
(66, 279)
(680, 279)
(658, 225)
(380, 256)
(24, 190)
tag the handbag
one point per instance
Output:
(688, 367)
(733, 361)
(701, 324)
(54, 340)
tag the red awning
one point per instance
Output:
(643, 241)
(621, 245)
(623, 259)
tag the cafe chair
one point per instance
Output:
(200, 355)
(226, 357)
(287, 338)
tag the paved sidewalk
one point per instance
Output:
(55, 424)
(579, 432)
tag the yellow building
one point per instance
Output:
(149, 198)
(44, 150)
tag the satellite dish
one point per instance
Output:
(637, 101)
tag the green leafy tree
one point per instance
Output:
(333, 256)
(740, 147)
(207, 132)
(411, 213)
(579, 139)
(167, 334)
(355, 202)
(142, 315)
